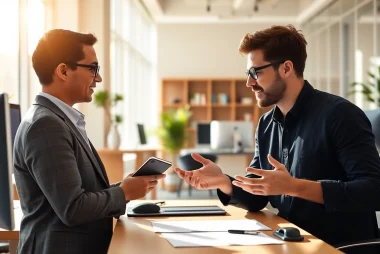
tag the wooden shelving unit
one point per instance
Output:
(211, 99)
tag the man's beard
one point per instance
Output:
(273, 94)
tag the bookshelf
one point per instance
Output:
(211, 99)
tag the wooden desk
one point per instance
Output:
(14, 235)
(113, 162)
(136, 235)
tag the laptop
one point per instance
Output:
(180, 211)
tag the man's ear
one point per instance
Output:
(288, 68)
(61, 71)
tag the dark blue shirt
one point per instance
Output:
(328, 139)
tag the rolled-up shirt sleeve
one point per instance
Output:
(353, 139)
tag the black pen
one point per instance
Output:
(243, 232)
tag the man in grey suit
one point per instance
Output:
(67, 201)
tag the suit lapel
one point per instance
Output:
(40, 100)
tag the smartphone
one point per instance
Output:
(153, 166)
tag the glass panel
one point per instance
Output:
(376, 60)
(334, 59)
(348, 4)
(311, 66)
(132, 68)
(348, 54)
(378, 28)
(322, 61)
(335, 10)
(323, 18)
(365, 50)
(9, 44)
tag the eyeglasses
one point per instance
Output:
(93, 67)
(252, 72)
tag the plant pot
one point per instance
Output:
(113, 138)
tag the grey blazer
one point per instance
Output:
(64, 191)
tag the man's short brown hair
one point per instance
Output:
(278, 43)
(59, 46)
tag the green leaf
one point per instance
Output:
(371, 75)
(118, 119)
(370, 90)
(172, 132)
(101, 98)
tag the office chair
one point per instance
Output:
(186, 162)
(367, 246)
(4, 247)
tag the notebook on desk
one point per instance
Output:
(180, 211)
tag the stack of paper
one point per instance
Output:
(206, 226)
(205, 239)
(212, 233)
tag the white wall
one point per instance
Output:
(201, 50)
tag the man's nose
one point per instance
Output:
(98, 78)
(250, 82)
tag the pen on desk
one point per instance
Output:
(243, 232)
(160, 203)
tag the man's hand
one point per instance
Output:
(138, 186)
(272, 182)
(209, 176)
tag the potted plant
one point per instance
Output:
(172, 136)
(371, 90)
(104, 100)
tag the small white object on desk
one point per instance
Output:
(202, 239)
(206, 226)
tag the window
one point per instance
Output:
(16, 69)
(343, 47)
(9, 26)
(133, 67)
(36, 28)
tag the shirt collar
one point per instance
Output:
(74, 115)
(298, 106)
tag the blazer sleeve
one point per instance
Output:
(115, 184)
(50, 158)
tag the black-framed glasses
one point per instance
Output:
(93, 67)
(252, 72)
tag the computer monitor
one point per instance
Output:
(222, 133)
(15, 120)
(374, 118)
(141, 131)
(6, 186)
(203, 137)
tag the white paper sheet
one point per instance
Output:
(206, 226)
(203, 239)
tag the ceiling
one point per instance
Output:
(233, 11)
